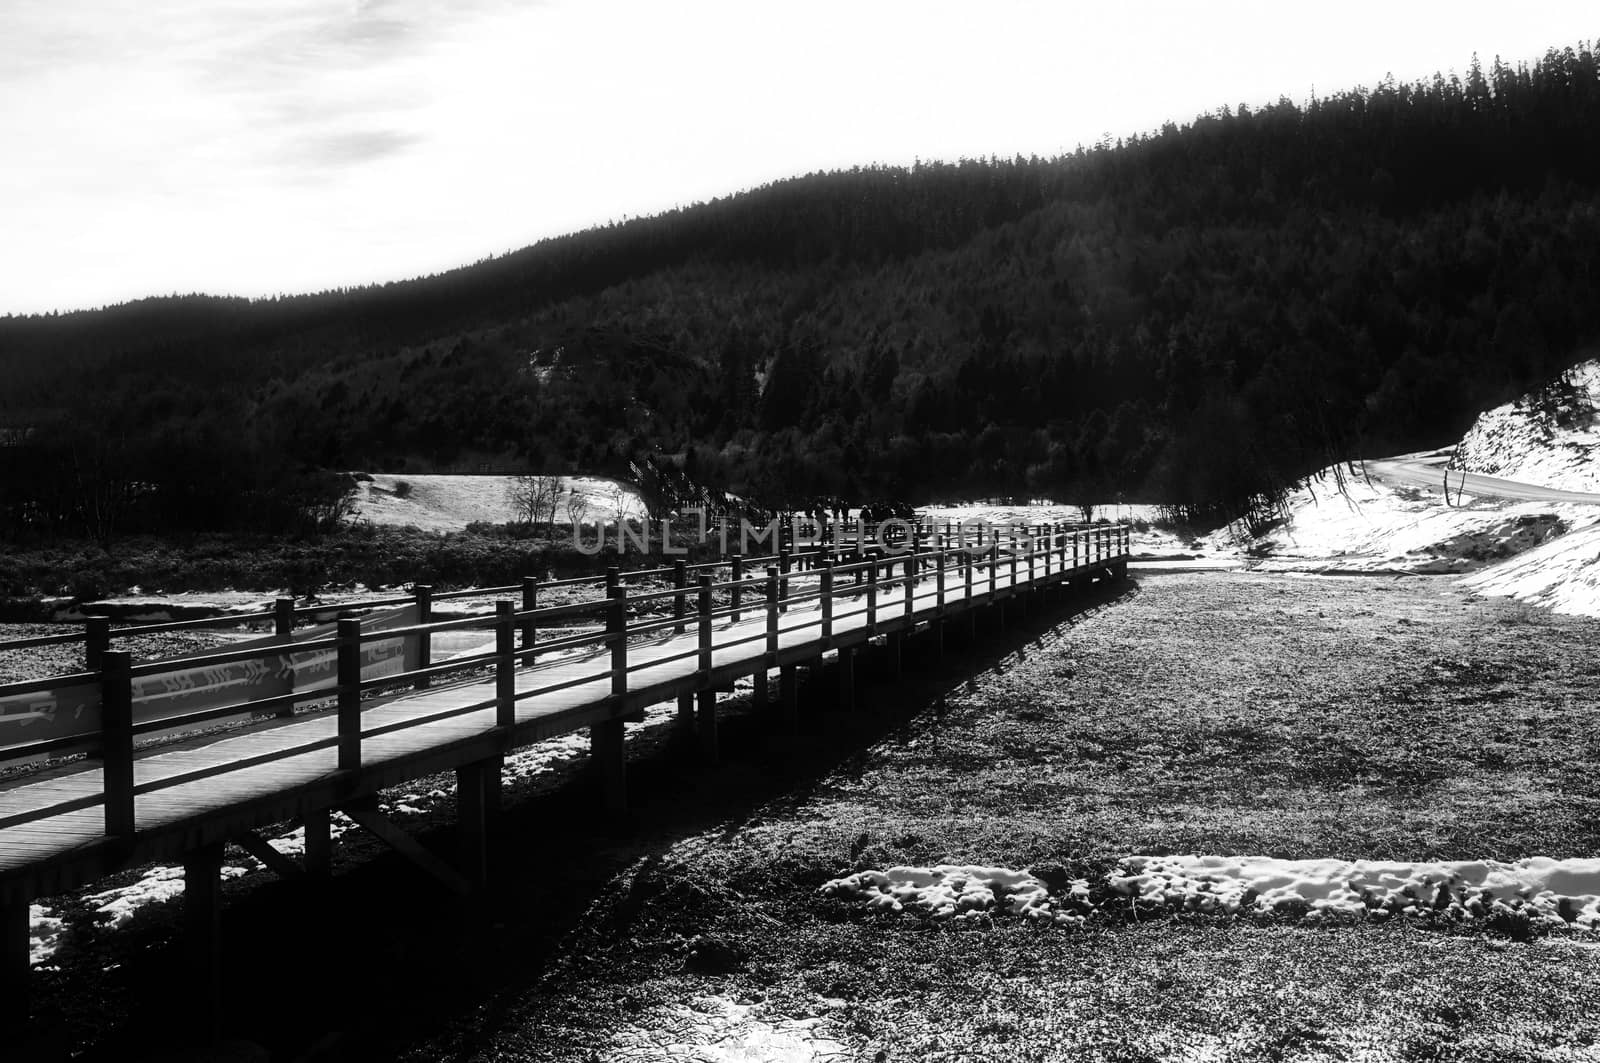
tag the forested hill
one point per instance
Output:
(1191, 316)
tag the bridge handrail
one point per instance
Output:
(920, 579)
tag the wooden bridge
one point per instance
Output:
(324, 718)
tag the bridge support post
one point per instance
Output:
(606, 746)
(847, 678)
(789, 698)
(319, 843)
(686, 711)
(472, 816)
(892, 646)
(707, 726)
(202, 925)
(15, 966)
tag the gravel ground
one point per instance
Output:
(1218, 712)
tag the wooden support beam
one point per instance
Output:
(847, 678)
(202, 926)
(760, 695)
(15, 966)
(472, 821)
(319, 843)
(408, 847)
(789, 698)
(610, 760)
(892, 646)
(686, 710)
(707, 726)
(262, 850)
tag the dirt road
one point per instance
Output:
(1428, 471)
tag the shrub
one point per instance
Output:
(402, 489)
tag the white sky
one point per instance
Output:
(258, 147)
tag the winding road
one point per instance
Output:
(1427, 470)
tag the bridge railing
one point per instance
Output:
(350, 669)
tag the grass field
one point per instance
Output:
(1239, 713)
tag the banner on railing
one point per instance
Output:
(173, 693)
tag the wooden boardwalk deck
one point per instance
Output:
(60, 828)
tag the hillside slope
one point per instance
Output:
(1550, 437)
(1196, 316)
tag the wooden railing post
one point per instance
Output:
(530, 602)
(505, 663)
(911, 579)
(872, 598)
(116, 742)
(705, 629)
(967, 557)
(424, 595)
(283, 630)
(774, 592)
(349, 677)
(938, 575)
(826, 606)
(1033, 544)
(96, 641)
(783, 581)
(613, 579)
(617, 636)
(738, 585)
(1011, 540)
(1075, 561)
(283, 619)
(680, 583)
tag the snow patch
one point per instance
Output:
(1562, 575)
(1554, 892)
(719, 1030)
(45, 932)
(960, 891)
(156, 886)
(449, 503)
(1544, 891)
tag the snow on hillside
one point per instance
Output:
(1550, 437)
(1350, 523)
(450, 503)
(1562, 575)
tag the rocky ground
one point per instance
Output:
(1279, 714)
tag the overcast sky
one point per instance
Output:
(272, 146)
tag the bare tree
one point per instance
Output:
(534, 498)
(577, 507)
(619, 503)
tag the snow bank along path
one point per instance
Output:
(1547, 892)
